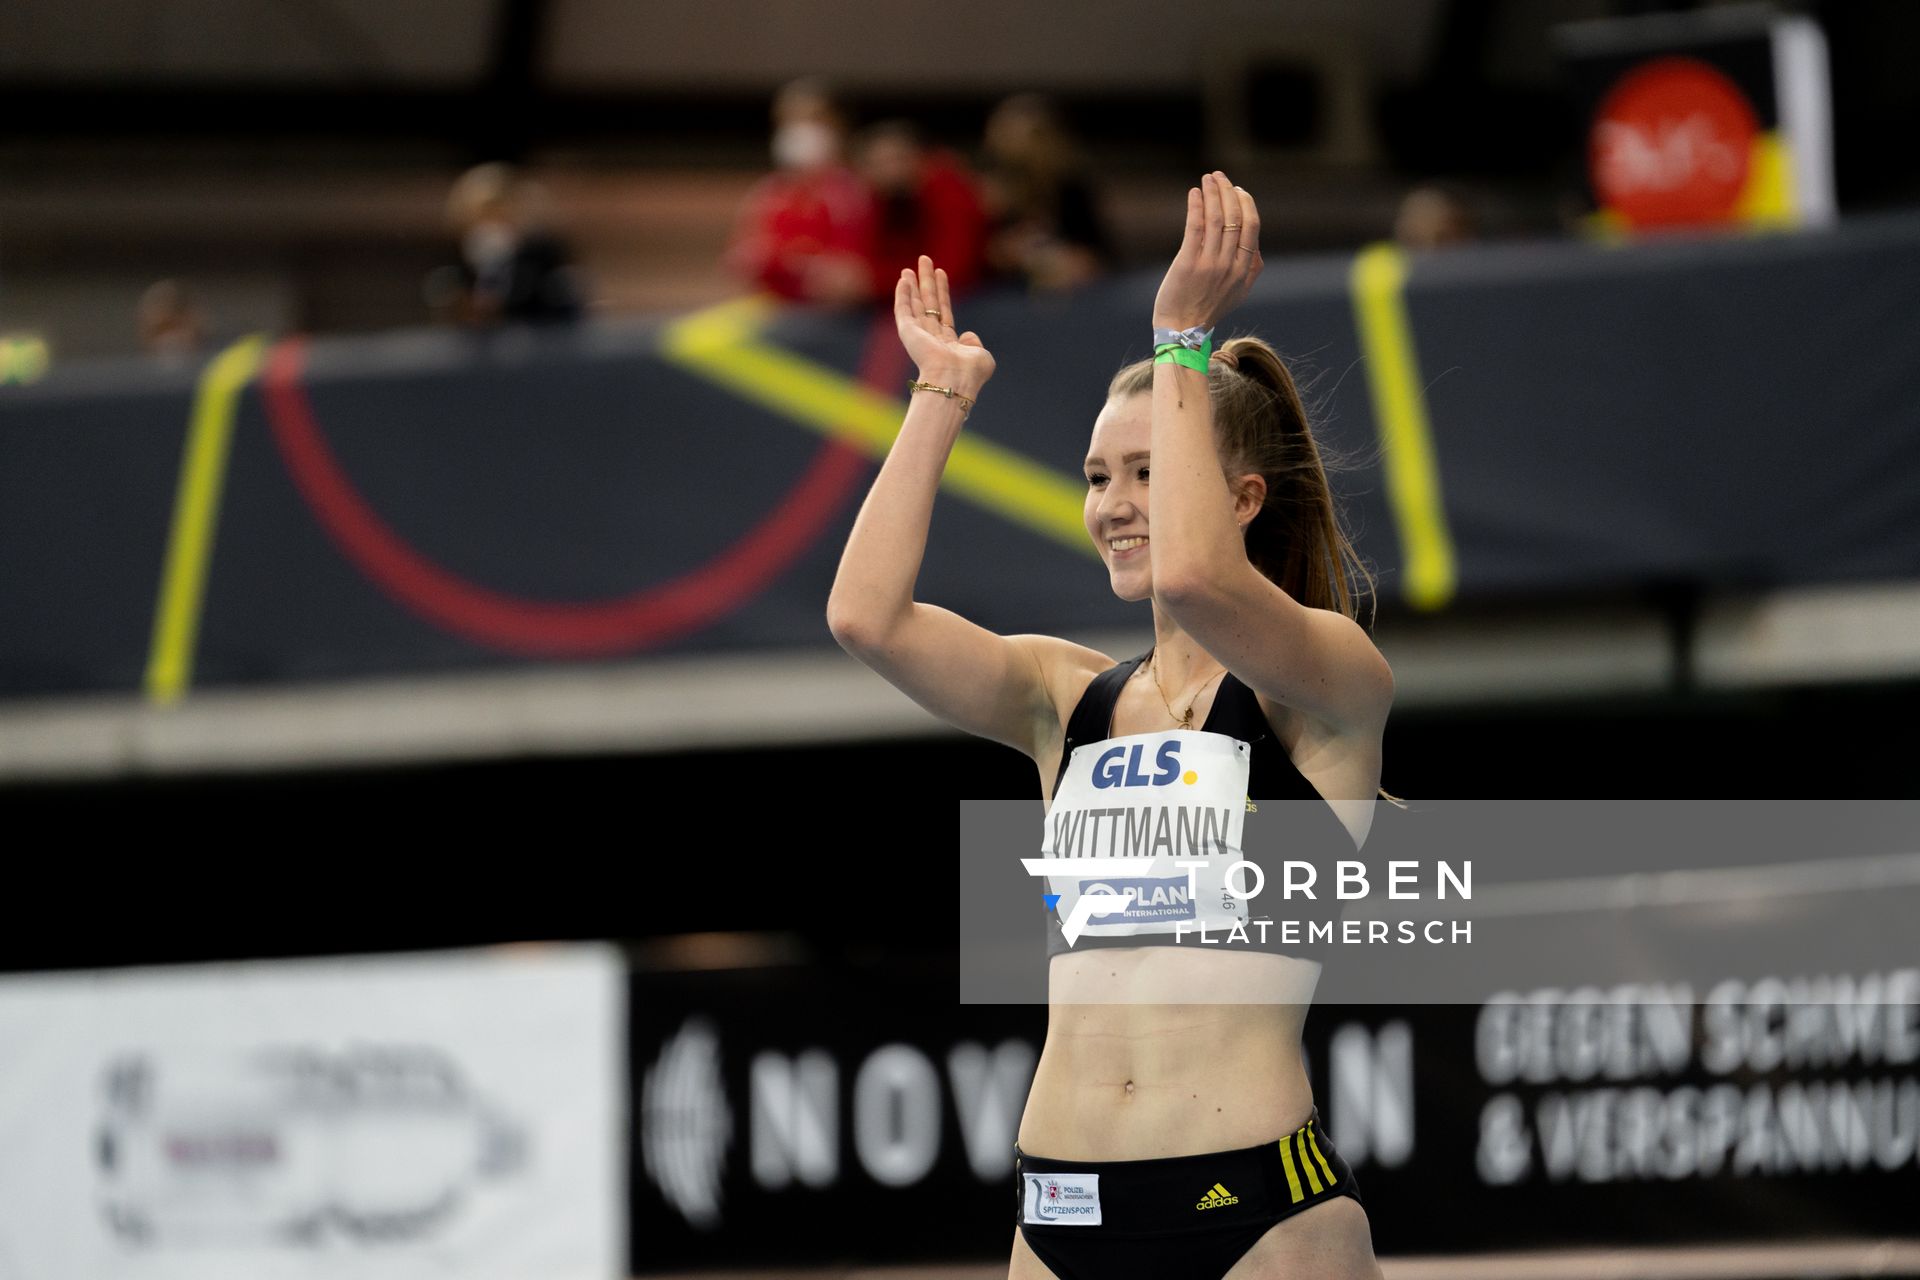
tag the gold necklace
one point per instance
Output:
(1185, 721)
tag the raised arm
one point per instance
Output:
(1312, 659)
(990, 685)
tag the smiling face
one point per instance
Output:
(1117, 472)
(1116, 507)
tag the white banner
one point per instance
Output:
(453, 1114)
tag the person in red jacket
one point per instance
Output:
(805, 232)
(924, 201)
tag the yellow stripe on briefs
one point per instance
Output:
(1313, 1179)
(1315, 1146)
(1293, 1179)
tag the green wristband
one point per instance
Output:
(1194, 360)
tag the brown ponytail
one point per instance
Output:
(1260, 425)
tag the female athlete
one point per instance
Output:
(1163, 1140)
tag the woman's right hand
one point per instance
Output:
(923, 311)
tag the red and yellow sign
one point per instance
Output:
(1673, 145)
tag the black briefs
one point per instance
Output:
(1177, 1218)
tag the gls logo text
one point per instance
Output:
(1120, 767)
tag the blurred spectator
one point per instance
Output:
(172, 324)
(512, 268)
(925, 201)
(806, 229)
(1432, 217)
(1046, 227)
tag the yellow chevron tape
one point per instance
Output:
(721, 346)
(1378, 281)
(196, 515)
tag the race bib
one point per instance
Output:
(1173, 805)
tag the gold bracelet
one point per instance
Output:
(966, 404)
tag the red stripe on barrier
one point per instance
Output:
(535, 628)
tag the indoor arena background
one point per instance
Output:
(440, 826)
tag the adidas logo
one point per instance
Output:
(1217, 1197)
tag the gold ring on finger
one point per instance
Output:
(1244, 249)
(1229, 226)
(933, 312)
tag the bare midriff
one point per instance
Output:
(1129, 1072)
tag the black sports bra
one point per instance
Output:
(1236, 712)
(1311, 829)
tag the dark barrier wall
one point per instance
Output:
(1638, 1116)
(1519, 419)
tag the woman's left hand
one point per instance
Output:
(1218, 260)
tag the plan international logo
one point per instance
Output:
(1148, 897)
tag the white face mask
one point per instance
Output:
(804, 144)
(487, 245)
